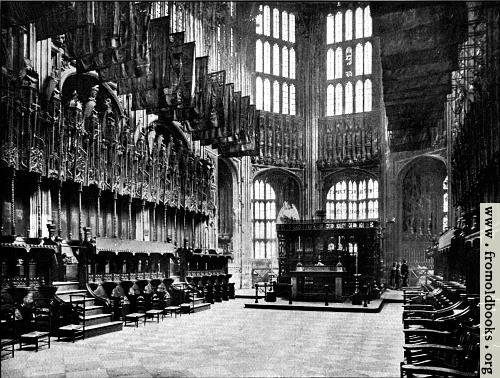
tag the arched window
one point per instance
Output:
(258, 56)
(330, 64)
(267, 20)
(276, 23)
(258, 22)
(264, 220)
(368, 23)
(338, 63)
(284, 61)
(291, 28)
(368, 95)
(359, 23)
(338, 99)
(359, 97)
(276, 60)
(348, 98)
(368, 58)
(259, 93)
(276, 97)
(284, 26)
(292, 63)
(348, 25)
(267, 58)
(284, 107)
(330, 100)
(346, 199)
(267, 95)
(330, 31)
(338, 27)
(358, 59)
(292, 99)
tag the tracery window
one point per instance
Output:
(345, 69)
(275, 59)
(264, 220)
(353, 200)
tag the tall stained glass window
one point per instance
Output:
(264, 220)
(275, 59)
(349, 61)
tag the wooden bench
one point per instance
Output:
(155, 313)
(172, 310)
(37, 338)
(134, 318)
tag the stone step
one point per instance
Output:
(94, 310)
(91, 320)
(101, 329)
(65, 294)
(66, 285)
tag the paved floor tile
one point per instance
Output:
(229, 340)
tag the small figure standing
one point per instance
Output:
(404, 273)
(398, 276)
(393, 275)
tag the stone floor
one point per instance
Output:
(229, 340)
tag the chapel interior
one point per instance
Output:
(159, 159)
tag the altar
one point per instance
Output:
(318, 282)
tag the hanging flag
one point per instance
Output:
(159, 41)
(216, 82)
(223, 131)
(243, 128)
(199, 99)
(180, 63)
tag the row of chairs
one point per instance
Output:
(159, 308)
(441, 329)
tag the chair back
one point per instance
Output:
(141, 304)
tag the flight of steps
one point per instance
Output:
(97, 322)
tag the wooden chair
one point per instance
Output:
(433, 314)
(441, 360)
(8, 336)
(156, 311)
(40, 335)
(75, 330)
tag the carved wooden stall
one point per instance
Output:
(104, 148)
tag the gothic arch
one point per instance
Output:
(404, 168)
(420, 205)
(68, 74)
(286, 184)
